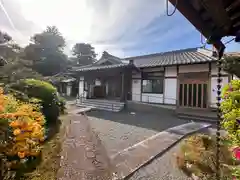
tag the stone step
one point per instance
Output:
(100, 104)
(80, 110)
(97, 101)
(104, 104)
(109, 106)
(102, 107)
(133, 158)
(106, 109)
(197, 117)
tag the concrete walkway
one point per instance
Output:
(83, 157)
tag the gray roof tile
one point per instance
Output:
(92, 68)
(185, 56)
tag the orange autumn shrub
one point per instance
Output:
(22, 126)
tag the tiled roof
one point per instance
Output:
(60, 77)
(93, 68)
(108, 57)
(186, 56)
(233, 54)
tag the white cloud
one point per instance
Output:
(13, 22)
(107, 24)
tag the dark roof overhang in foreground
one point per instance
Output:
(215, 19)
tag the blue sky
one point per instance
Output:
(121, 27)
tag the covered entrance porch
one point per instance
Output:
(109, 82)
(104, 86)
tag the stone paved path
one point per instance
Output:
(83, 157)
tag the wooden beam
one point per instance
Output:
(235, 16)
(233, 5)
(217, 12)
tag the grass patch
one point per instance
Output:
(48, 168)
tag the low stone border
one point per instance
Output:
(133, 158)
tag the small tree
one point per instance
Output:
(85, 53)
(231, 64)
(46, 52)
(4, 37)
(16, 70)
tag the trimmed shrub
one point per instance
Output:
(198, 156)
(45, 92)
(230, 108)
(62, 104)
(22, 131)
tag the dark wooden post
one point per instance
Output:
(123, 87)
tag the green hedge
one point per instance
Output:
(51, 104)
(230, 108)
(62, 104)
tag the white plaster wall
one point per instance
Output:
(97, 82)
(69, 90)
(136, 75)
(235, 77)
(171, 71)
(213, 89)
(81, 86)
(193, 68)
(153, 69)
(136, 90)
(152, 98)
(170, 91)
(91, 91)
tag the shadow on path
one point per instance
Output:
(158, 122)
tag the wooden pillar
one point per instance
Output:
(123, 87)
(60, 88)
(178, 88)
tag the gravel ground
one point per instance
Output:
(116, 136)
(162, 168)
(121, 130)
